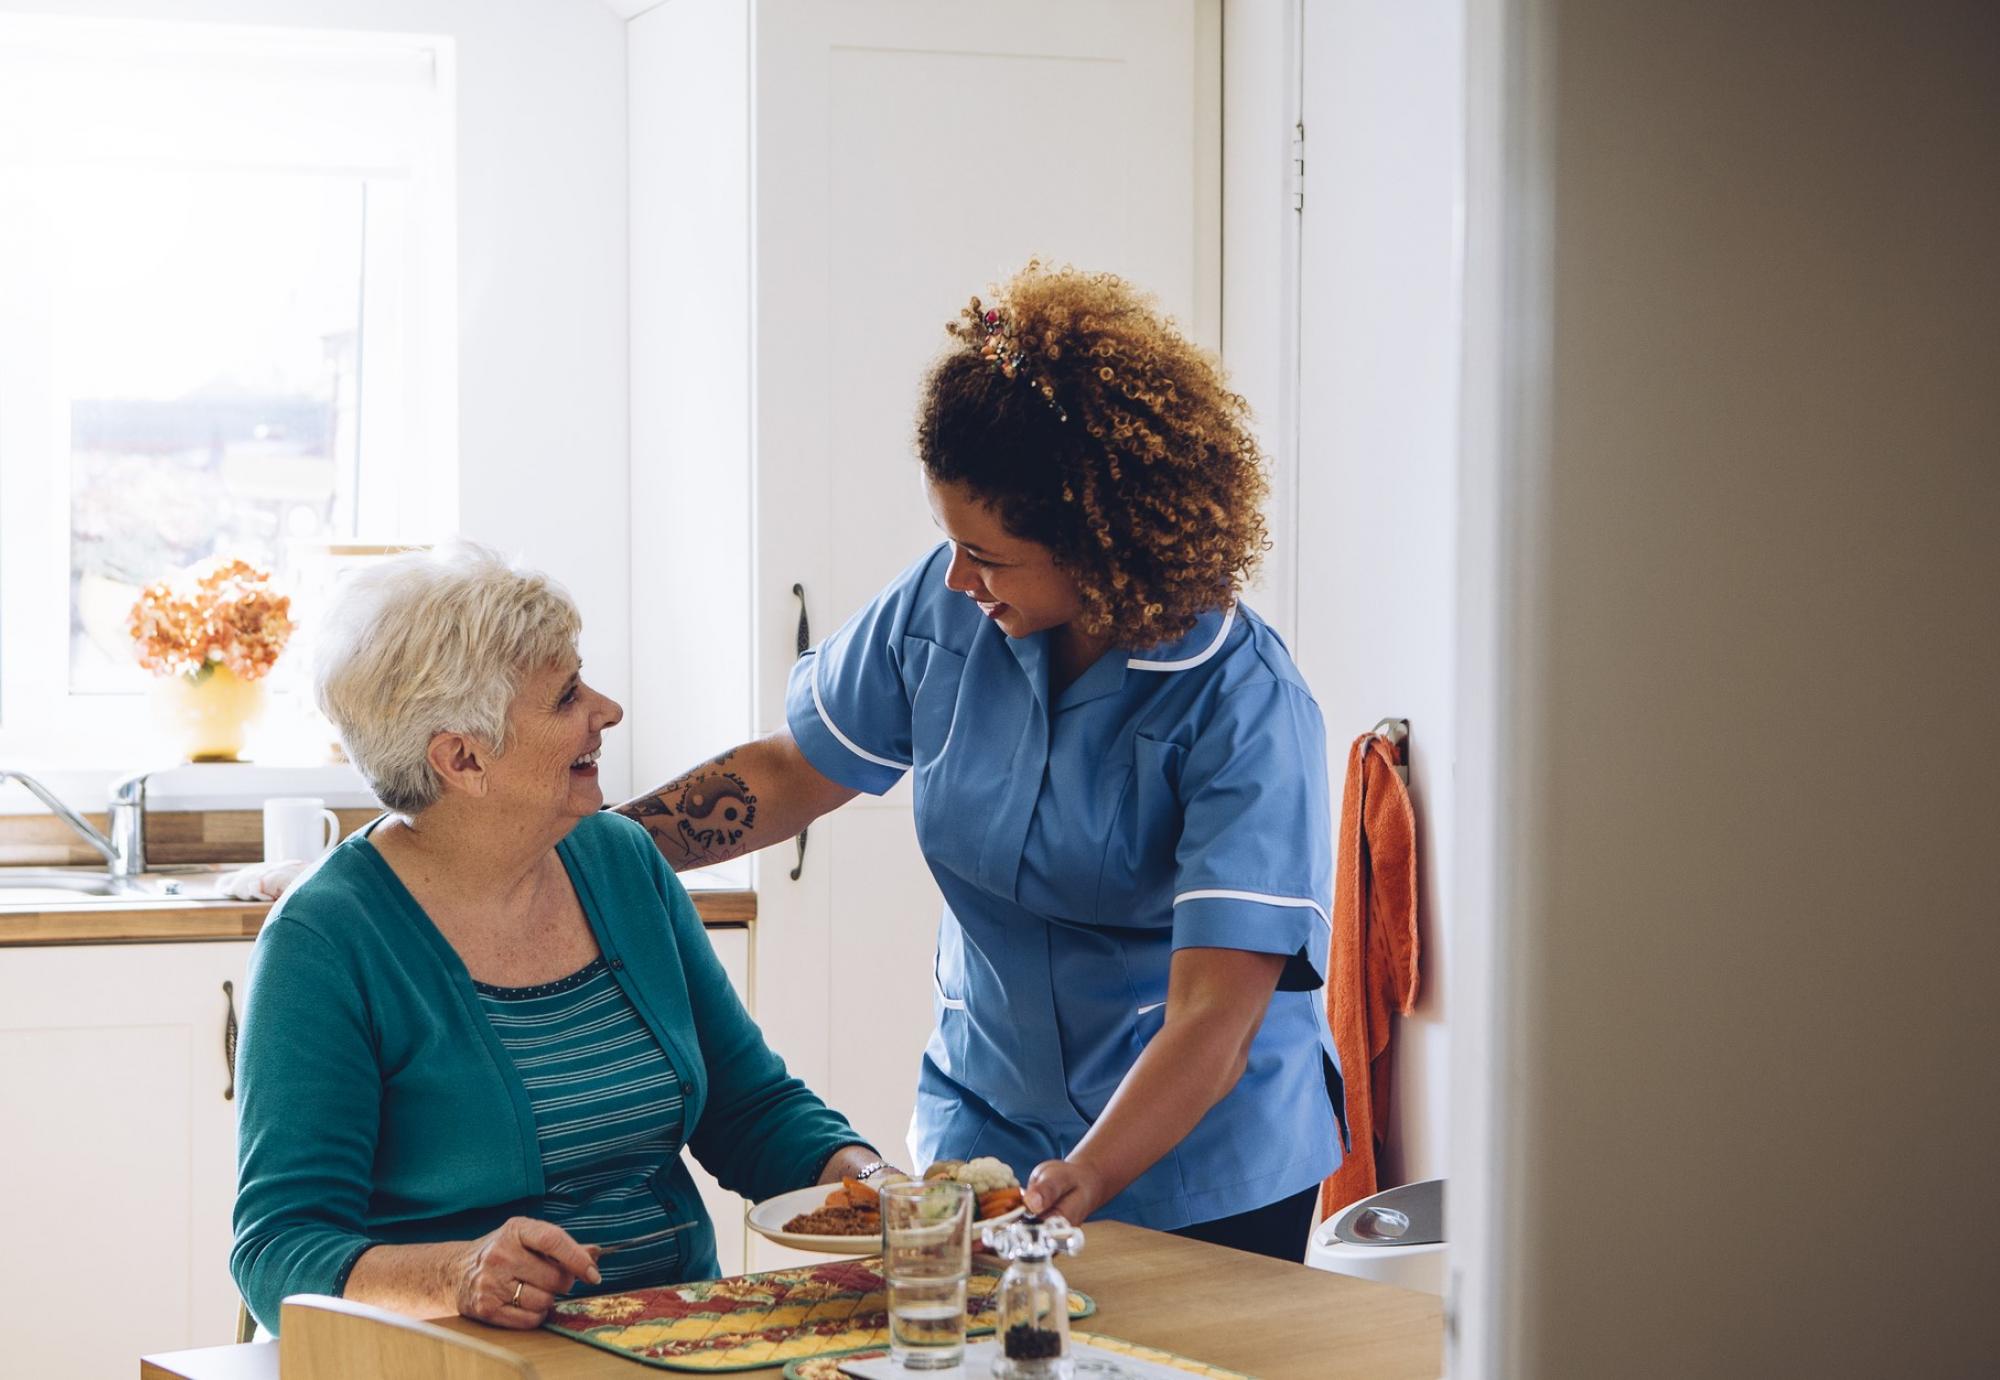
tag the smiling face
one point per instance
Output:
(555, 729)
(1015, 582)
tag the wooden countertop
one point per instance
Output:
(1263, 1317)
(107, 920)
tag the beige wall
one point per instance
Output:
(1759, 958)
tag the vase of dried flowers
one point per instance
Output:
(211, 634)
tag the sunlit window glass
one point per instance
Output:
(209, 328)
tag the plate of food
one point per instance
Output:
(846, 1219)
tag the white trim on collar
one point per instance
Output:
(1188, 663)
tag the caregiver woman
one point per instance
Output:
(1120, 779)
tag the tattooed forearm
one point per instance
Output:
(715, 809)
(700, 818)
(714, 813)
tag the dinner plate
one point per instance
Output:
(768, 1220)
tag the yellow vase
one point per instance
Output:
(209, 715)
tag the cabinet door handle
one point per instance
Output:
(229, 1039)
(804, 641)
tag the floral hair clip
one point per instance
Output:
(1001, 348)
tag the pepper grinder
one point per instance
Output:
(1032, 1311)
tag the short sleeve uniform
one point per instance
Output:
(1174, 799)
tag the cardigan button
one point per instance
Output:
(618, 963)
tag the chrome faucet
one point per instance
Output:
(125, 851)
(126, 814)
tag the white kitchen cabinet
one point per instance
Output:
(732, 946)
(117, 1152)
(817, 186)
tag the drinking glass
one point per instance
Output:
(926, 1256)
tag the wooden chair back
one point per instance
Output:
(322, 1338)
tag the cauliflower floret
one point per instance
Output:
(986, 1174)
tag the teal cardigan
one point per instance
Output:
(378, 1106)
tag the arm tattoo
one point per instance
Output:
(700, 818)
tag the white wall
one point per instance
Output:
(1367, 489)
(1378, 454)
(1750, 1118)
(693, 535)
(542, 280)
(1260, 260)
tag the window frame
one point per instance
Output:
(404, 151)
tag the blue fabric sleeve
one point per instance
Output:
(1254, 867)
(307, 1122)
(847, 704)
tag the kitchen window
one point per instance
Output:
(226, 327)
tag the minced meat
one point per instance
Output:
(837, 1221)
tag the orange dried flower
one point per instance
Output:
(218, 612)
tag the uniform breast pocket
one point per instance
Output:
(1135, 885)
(931, 674)
(949, 791)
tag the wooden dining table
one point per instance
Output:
(1248, 1313)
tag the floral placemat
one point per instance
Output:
(759, 1320)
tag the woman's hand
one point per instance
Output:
(1065, 1188)
(850, 1160)
(513, 1275)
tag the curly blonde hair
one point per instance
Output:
(1095, 428)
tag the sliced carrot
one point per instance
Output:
(996, 1201)
(839, 1198)
(860, 1194)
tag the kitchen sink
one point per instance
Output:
(57, 886)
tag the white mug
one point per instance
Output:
(298, 827)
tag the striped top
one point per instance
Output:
(607, 1106)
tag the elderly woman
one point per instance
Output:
(480, 1033)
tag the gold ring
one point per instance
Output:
(518, 1285)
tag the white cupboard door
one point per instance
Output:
(118, 1152)
(907, 154)
(725, 1209)
(885, 913)
(214, 1116)
(1379, 336)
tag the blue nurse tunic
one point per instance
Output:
(1166, 801)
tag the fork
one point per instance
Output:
(646, 1240)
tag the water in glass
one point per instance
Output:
(926, 1257)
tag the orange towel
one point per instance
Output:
(1374, 964)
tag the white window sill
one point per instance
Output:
(198, 786)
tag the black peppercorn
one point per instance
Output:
(1027, 1343)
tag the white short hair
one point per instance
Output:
(433, 642)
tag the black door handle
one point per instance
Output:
(229, 1040)
(804, 641)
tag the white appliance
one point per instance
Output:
(1394, 1237)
